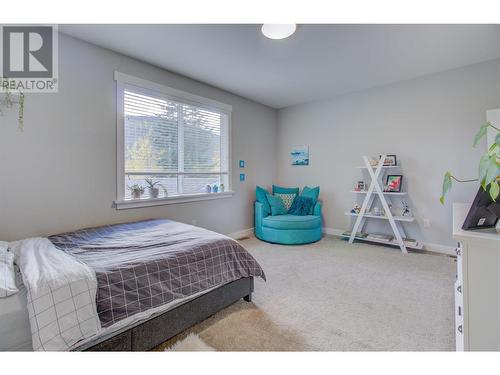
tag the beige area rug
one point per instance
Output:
(332, 296)
(191, 343)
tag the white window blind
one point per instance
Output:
(182, 146)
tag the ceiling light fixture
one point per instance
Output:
(278, 31)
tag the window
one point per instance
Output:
(177, 140)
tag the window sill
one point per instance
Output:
(150, 202)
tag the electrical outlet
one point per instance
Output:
(427, 223)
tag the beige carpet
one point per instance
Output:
(334, 296)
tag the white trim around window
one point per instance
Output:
(122, 82)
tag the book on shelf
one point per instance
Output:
(407, 241)
(379, 237)
(358, 235)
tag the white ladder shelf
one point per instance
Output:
(374, 190)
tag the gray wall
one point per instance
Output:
(59, 174)
(428, 122)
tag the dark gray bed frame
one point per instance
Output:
(158, 329)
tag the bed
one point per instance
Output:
(129, 286)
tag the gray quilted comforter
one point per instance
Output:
(145, 264)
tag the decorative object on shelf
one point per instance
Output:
(215, 188)
(208, 189)
(374, 162)
(409, 242)
(489, 166)
(356, 209)
(374, 190)
(405, 211)
(8, 101)
(358, 235)
(136, 191)
(154, 188)
(360, 186)
(384, 213)
(393, 183)
(242, 177)
(242, 163)
(380, 237)
(300, 155)
(390, 160)
(222, 188)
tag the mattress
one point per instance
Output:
(15, 334)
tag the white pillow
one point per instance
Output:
(7, 274)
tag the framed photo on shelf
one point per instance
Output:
(393, 183)
(390, 160)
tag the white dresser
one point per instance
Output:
(477, 288)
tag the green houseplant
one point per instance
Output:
(136, 190)
(153, 187)
(489, 167)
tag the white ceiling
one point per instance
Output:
(318, 61)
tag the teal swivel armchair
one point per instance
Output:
(288, 229)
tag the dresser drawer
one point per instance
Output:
(459, 301)
(459, 252)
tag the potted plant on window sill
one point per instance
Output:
(136, 190)
(154, 188)
(489, 167)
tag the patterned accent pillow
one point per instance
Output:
(287, 199)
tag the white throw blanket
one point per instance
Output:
(61, 295)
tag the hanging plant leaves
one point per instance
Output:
(7, 101)
(21, 112)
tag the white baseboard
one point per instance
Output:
(333, 231)
(428, 246)
(242, 233)
(436, 248)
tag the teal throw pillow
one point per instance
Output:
(277, 206)
(301, 206)
(260, 196)
(312, 193)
